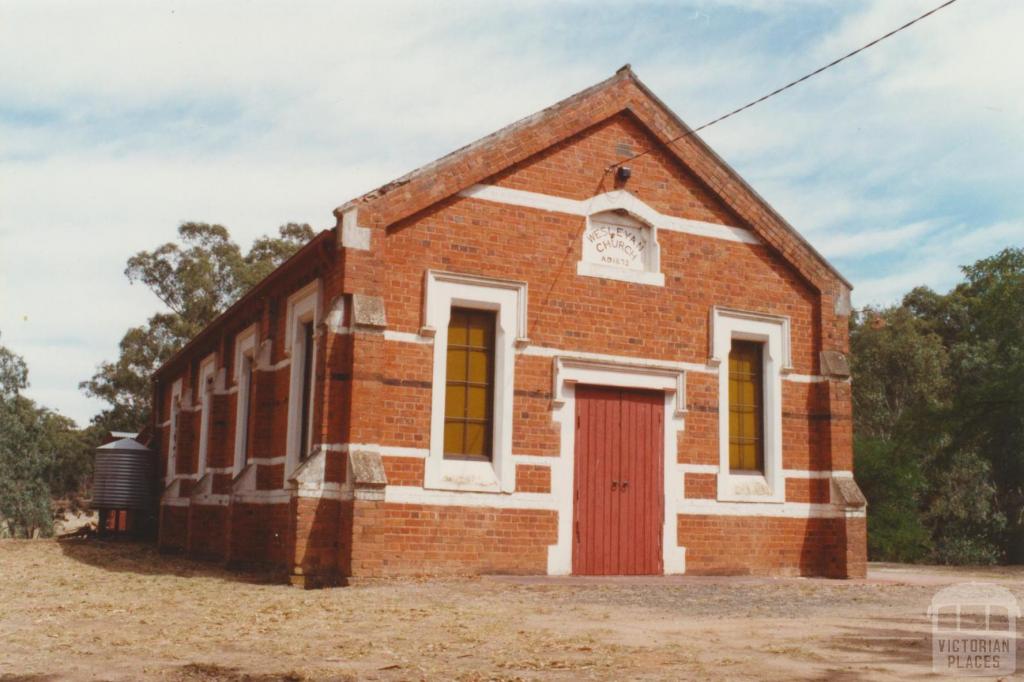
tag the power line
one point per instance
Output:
(788, 85)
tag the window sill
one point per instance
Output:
(464, 475)
(747, 486)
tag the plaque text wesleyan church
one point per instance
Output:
(616, 244)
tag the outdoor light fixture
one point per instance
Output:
(623, 173)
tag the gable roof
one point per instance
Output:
(514, 143)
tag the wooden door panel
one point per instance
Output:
(618, 492)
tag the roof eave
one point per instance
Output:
(248, 296)
(384, 189)
(739, 178)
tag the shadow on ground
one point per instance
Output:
(902, 642)
(210, 672)
(144, 559)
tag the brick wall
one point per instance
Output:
(533, 479)
(852, 562)
(741, 545)
(220, 451)
(339, 389)
(316, 536)
(259, 534)
(698, 443)
(186, 456)
(408, 539)
(404, 470)
(813, 490)
(270, 412)
(173, 528)
(701, 486)
(207, 531)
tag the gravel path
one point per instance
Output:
(86, 611)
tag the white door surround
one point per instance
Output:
(569, 372)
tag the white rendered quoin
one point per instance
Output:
(773, 332)
(245, 361)
(303, 307)
(508, 300)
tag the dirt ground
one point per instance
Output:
(87, 610)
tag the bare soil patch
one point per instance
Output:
(88, 610)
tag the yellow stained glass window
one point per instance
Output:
(469, 389)
(746, 411)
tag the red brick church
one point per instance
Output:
(539, 354)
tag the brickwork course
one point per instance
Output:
(374, 497)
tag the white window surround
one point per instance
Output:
(205, 388)
(172, 440)
(438, 283)
(572, 371)
(645, 268)
(718, 353)
(303, 306)
(442, 291)
(245, 352)
(773, 332)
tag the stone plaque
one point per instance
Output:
(616, 240)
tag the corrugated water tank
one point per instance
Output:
(124, 488)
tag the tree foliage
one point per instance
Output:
(34, 446)
(197, 278)
(939, 418)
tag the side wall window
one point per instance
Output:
(172, 441)
(247, 405)
(300, 344)
(205, 390)
(307, 389)
(476, 323)
(469, 389)
(746, 406)
(244, 368)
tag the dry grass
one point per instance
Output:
(89, 610)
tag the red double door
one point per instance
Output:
(619, 493)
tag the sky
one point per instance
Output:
(120, 120)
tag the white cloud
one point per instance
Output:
(119, 120)
(874, 242)
(937, 262)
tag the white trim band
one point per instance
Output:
(791, 510)
(414, 495)
(408, 337)
(608, 201)
(549, 352)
